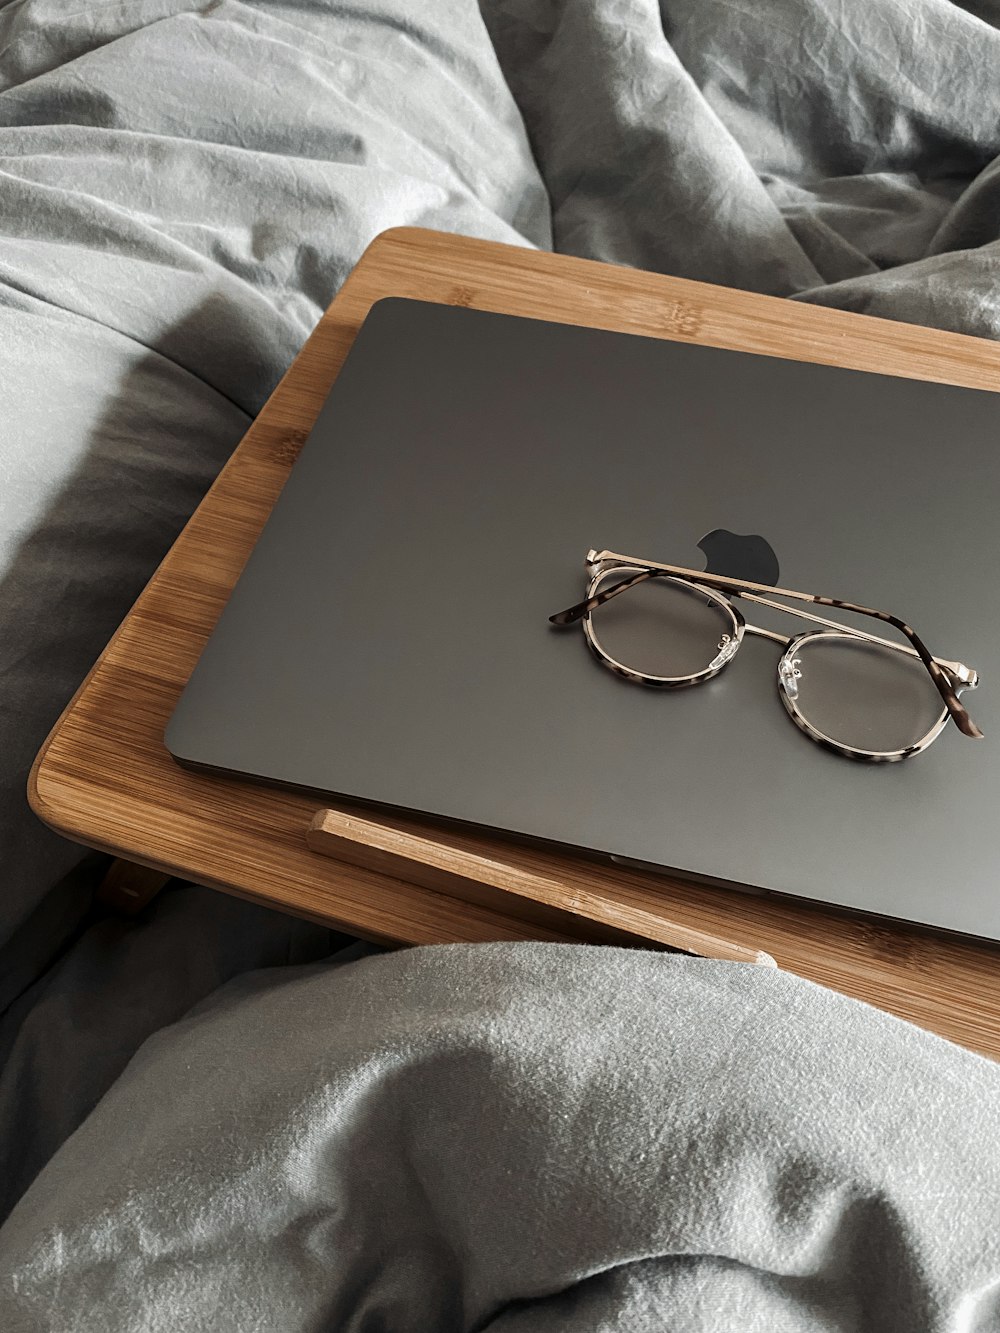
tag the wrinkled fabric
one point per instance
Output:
(842, 153)
(183, 188)
(529, 1138)
(70, 1034)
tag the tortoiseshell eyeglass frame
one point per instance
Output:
(948, 677)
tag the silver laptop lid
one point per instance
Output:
(389, 638)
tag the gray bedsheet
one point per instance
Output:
(525, 1139)
(183, 185)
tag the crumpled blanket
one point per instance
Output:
(183, 186)
(528, 1139)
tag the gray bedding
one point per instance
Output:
(183, 186)
(525, 1139)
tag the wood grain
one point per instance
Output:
(105, 778)
(477, 876)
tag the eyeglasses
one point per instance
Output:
(852, 692)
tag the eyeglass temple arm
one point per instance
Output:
(954, 705)
(960, 676)
(574, 613)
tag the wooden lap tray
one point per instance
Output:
(105, 778)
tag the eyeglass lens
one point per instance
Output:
(660, 627)
(864, 696)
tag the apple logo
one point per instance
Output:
(747, 557)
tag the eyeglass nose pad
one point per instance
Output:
(728, 645)
(789, 673)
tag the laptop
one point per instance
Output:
(389, 640)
